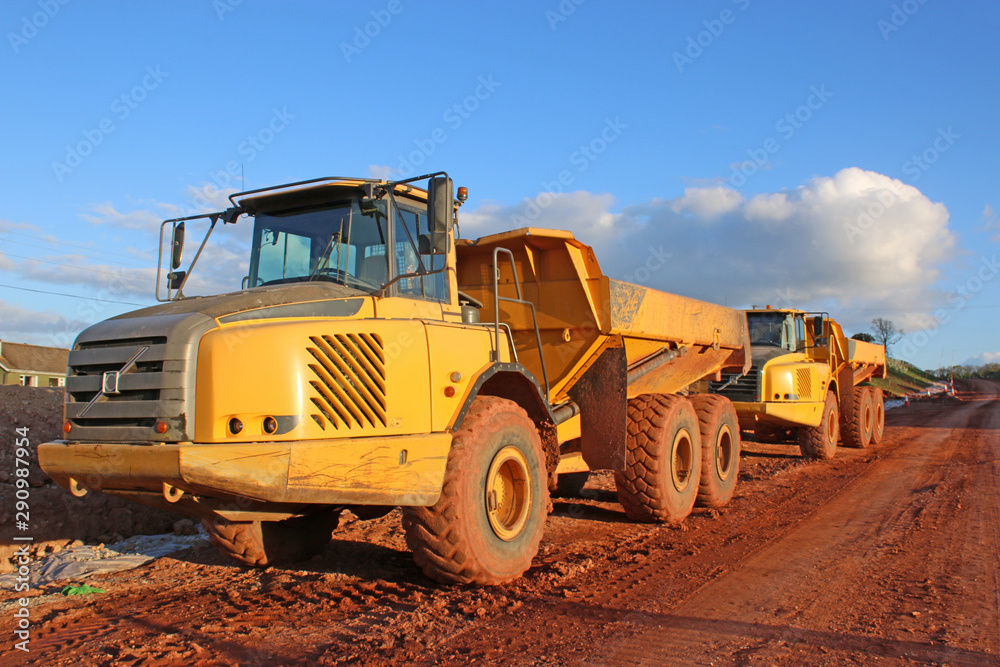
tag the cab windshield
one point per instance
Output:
(339, 243)
(767, 329)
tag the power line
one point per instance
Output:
(65, 243)
(74, 296)
(71, 266)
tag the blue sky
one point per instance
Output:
(838, 156)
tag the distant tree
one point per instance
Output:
(886, 333)
(866, 337)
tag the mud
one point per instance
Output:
(883, 556)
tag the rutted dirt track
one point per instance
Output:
(885, 556)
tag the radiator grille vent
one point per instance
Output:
(737, 388)
(803, 383)
(350, 380)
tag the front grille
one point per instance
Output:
(148, 389)
(745, 389)
(350, 380)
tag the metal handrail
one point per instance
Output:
(496, 313)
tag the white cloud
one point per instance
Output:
(708, 203)
(982, 359)
(858, 243)
(380, 171)
(21, 325)
(107, 214)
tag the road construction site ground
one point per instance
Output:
(887, 556)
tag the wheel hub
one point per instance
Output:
(508, 493)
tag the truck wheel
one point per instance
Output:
(820, 442)
(486, 526)
(856, 423)
(265, 543)
(878, 415)
(720, 449)
(570, 484)
(659, 481)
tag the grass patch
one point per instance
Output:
(903, 378)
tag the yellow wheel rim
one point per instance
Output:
(682, 460)
(508, 493)
(724, 453)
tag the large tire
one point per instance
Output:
(878, 414)
(856, 422)
(487, 524)
(820, 442)
(266, 543)
(720, 449)
(659, 481)
(570, 484)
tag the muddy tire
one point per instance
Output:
(487, 524)
(856, 424)
(720, 449)
(820, 442)
(878, 415)
(266, 543)
(570, 484)
(659, 481)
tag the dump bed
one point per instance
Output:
(667, 341)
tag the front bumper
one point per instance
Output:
(788, 415)
(398, 470)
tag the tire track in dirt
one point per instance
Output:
(777, 609)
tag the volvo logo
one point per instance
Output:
(109, 382)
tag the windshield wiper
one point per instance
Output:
(324, 261)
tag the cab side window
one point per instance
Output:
(434, 287)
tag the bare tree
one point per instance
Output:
(886, 333)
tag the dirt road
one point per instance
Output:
(887, 556)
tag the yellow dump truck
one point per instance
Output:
(373, 360)
(805, 383)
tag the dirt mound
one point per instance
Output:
(55, 518)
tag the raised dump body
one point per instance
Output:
(603, 341)
(806, 383)
(371, 361)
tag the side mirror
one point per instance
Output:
(175, 279)
(177, 246)
(433, 244)
(818, 326)
(440, 205)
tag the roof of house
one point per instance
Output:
(33, 358)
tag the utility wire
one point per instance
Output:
(91, 249)
(74, 296)
(71, 266)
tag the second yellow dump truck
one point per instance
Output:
(373, 360)
(805, 383)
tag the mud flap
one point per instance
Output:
(601, 395)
